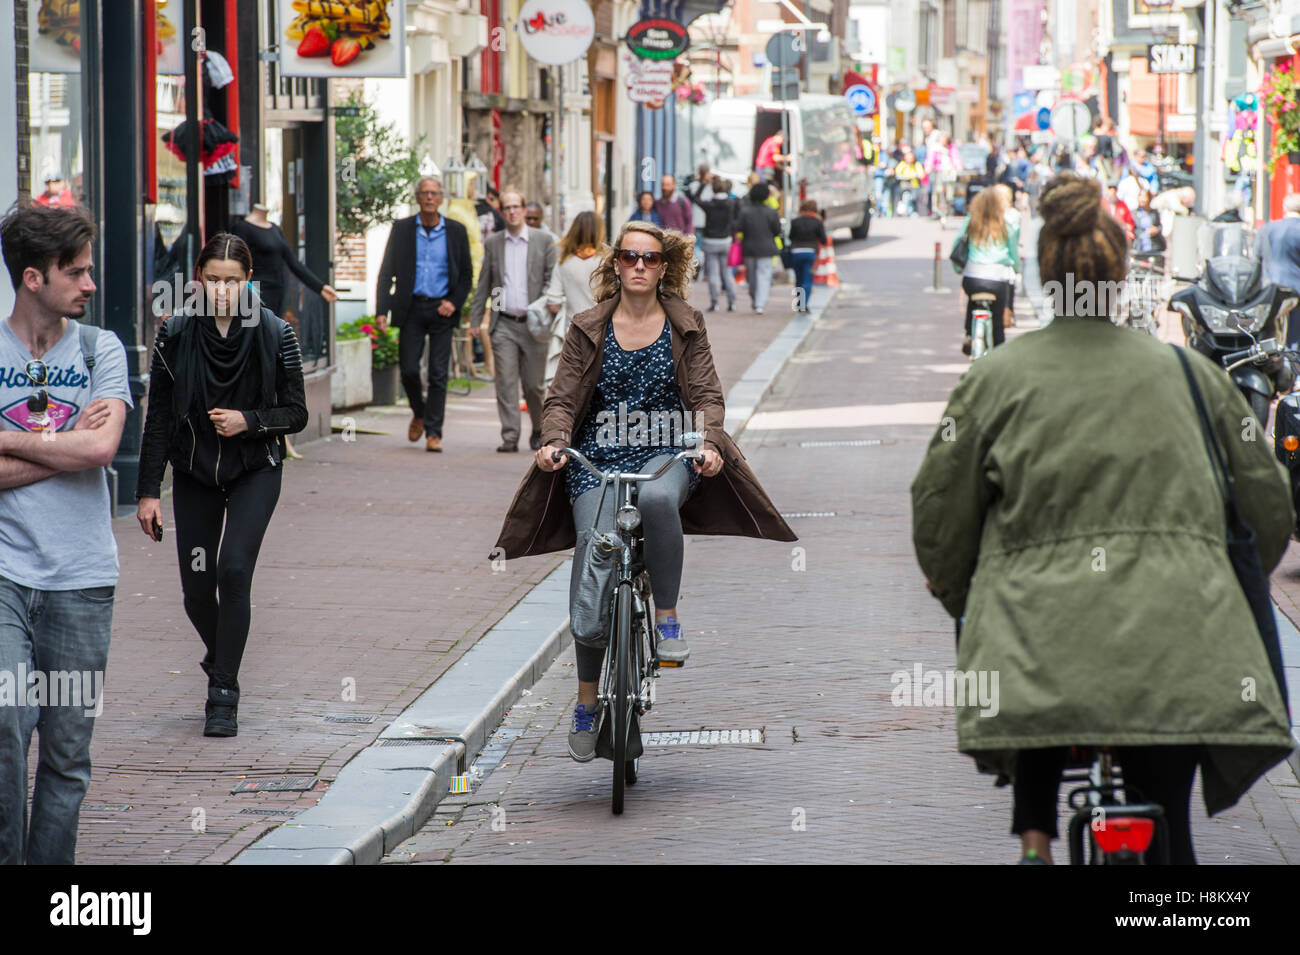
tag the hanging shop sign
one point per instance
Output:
(1171, 58)
(943, 99)
(556, 32)
(657, 39)
(649, 81)
(341, 39)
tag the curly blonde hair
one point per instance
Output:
(675, 272)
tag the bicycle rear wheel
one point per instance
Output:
(981, 335)
(622, 703)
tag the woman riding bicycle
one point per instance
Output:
(1085, 546)
(642, 350)
(993, 260)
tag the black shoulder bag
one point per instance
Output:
(1242, 553)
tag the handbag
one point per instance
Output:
(591, 590)
(734, 255)
(1242, 553)
(960, 254)
(540, 320)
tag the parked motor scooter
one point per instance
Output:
(1236, 319)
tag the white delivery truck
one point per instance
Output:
(827, 163)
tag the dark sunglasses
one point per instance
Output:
(38, 375)
(628, 257)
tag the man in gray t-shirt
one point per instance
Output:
(62, 408)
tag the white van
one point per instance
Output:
(827, 163)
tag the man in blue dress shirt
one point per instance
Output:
(423, 283)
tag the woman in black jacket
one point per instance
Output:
(807, 236)
(719, 226)
(225, 389)
(759, 226)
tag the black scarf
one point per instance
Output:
(236, 372)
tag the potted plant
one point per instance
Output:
(351, 385)
(1279, 94)
(384, 380)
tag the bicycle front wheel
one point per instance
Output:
(622, 703)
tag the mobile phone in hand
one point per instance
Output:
(157, 529)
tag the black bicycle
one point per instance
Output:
(631, 662)
(1120, 825)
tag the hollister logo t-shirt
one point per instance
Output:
(57, 534)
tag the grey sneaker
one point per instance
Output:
(669, 644)
(582, 736)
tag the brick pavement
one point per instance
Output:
(805, 654)
(374, 570)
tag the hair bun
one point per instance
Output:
(1070, 205)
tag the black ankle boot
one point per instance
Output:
(222, 709)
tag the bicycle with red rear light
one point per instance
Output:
(1111, 820)
(631, 661)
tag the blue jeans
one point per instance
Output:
(804, 260)
(50, 632)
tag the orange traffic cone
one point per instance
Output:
(824, 270)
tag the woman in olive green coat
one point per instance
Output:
(1067, 508)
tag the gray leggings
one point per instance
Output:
(659, 502)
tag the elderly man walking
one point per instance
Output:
(423, 283)
(1277, 245)
(516, 269)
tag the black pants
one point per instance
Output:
(423, 321)
(217, 567)
(1159, 774)
(1001, 289)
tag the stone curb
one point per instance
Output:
(1289, 641)
(386, 793)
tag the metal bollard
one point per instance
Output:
(938, 266)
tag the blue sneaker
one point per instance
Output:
(582, 736)
(669, 644)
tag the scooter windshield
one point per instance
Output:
(1230, 238)
(1231, 272)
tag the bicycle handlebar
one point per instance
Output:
(627, 476)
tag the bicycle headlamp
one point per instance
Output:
(628, 518)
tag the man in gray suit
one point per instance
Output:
(516, 269)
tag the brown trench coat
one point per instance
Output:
(540, 519)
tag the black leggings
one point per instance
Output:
(1159, 774)
(1002, 290)
(216, 565)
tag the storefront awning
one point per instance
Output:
(1143, 120)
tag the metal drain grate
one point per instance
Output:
(863, 443)
(430, 741)
(269, 812)
(809, 514)
(276, 784)
(350, 719)
(701, 737)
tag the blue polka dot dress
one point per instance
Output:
(635, 413)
